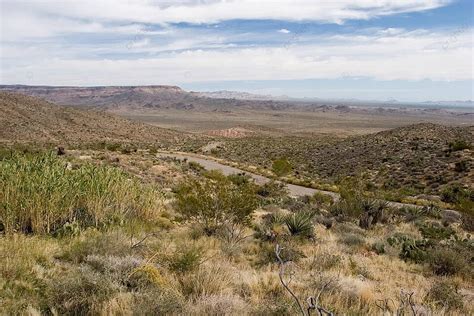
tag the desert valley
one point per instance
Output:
(157, 200)
(237, 157)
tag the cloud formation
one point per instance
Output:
(212, 11)
(105, 42)
(405, 55)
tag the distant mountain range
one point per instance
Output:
(141, 98)
(158, 97)
(238, 95)
(225, 94)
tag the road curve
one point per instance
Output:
(293, 189)
(209, 164)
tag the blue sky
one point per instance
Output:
(409, 50)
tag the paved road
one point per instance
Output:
(294, 190)
(209, 164)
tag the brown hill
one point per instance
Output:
(28, 119)
(119, 98)
(420, 155)
(423, 156)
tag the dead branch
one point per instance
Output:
(405, 301)
(313, 303)
(281, 274)
(141, 241)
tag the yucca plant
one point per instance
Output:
(300, 223)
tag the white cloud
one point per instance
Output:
(139, 54)
(211, 11)
(138, 43)
(405, 56)
(17, 26)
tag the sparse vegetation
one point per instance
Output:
(410, 160)
(110, 227)
(152, 258)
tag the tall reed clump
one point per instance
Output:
(39, 194)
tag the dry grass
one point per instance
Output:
(180, 270)
(42, 193)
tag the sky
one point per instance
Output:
(408, 50)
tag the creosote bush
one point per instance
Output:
(216, 202)
(39, 194)
(281, 167)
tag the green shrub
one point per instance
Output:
(196, 166)
(281, 167)
(39, 194)
(415, 250)
(397, 239)
(445, 261)
(271, 228)
(459, 144)
(346, 208)
(454, 193)
(215, 203)
(436, 231)
(378, 247)
(445, 293)
(215, 175)
(186, 258)
(368, 211)
(373, 213)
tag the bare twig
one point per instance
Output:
(141, 241)
(313, 303)
(411, 303)
(281, 274)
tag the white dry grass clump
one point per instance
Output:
(208, 279)
(224, 304)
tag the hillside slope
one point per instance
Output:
(117, 98)
(417, 156)
(29, 119)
